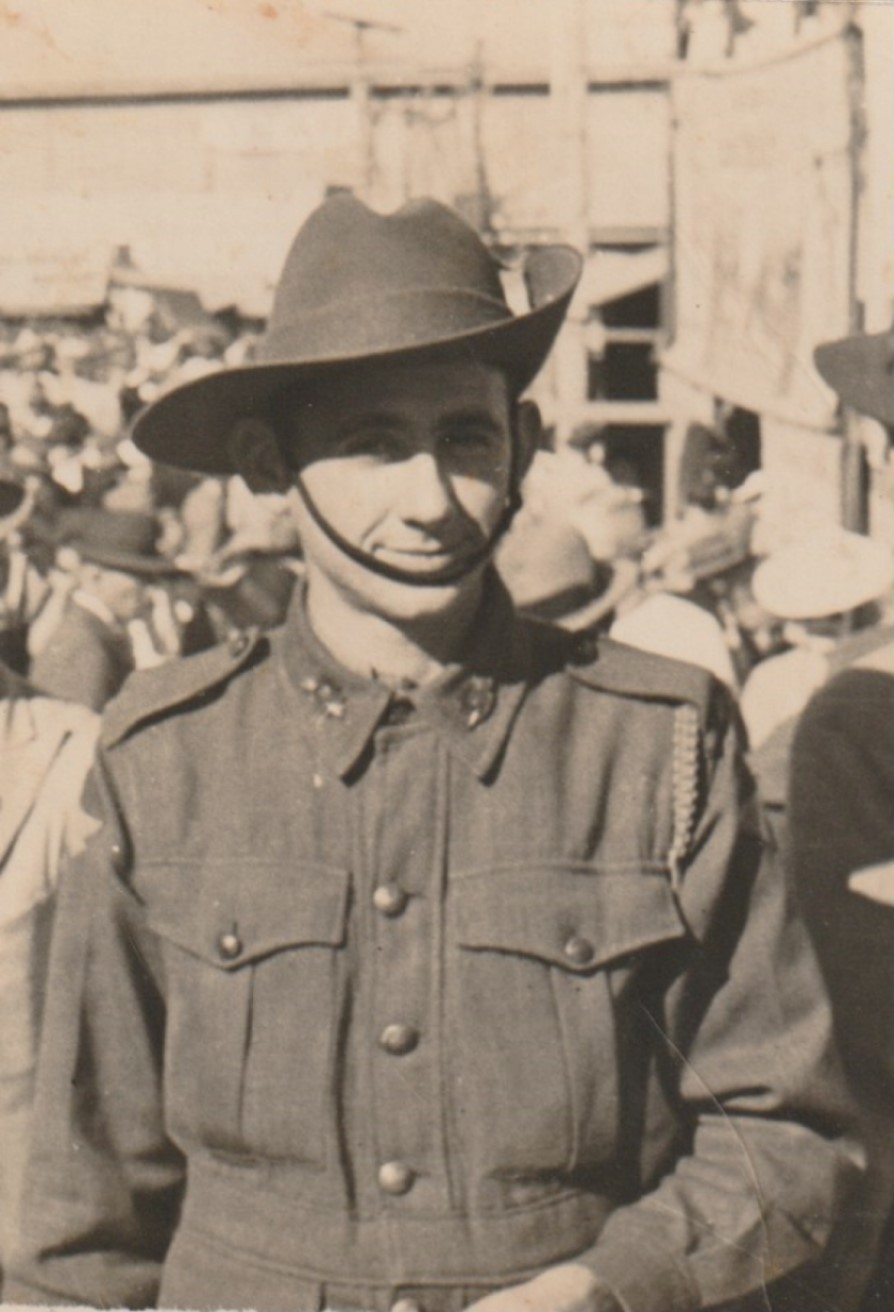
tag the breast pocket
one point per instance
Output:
(252, 958)
(537, 996)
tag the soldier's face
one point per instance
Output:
(413, 467)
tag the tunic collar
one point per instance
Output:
(471, 705)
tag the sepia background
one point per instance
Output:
(727, 165)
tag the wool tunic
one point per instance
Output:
(374, 999)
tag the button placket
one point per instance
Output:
(395, 1039)
(406, 907)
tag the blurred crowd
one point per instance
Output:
(110, 564)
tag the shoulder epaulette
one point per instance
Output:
(629, 672)
(150, 693)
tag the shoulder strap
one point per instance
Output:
(149, 693)
(614, 667)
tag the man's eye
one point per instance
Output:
(375, 444)
(470, 439)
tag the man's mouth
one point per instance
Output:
(427, 557)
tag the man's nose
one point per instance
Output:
(428, 492)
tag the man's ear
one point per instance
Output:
(255, 454)
(528, 432)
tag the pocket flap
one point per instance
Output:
(230, 913)
(577, 917)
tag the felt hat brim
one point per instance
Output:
(861, 370)
(127, 562)
(827, 575)
(189, 426)
(114, 539)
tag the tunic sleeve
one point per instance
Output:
(745, 1033)
(103, 1182)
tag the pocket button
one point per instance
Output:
(579, 951)
(229, 946)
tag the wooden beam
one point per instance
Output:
(334, 79)
(647, 414)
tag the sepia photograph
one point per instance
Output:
(447, 655)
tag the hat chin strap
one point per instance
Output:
(419, 579)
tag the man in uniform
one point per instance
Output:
(113, 558)
(426, 957)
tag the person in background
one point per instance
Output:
(101, 635)
(427, 957)
(26, 593)
(833, 592)
(695, 571)
(841, 852)
(248, 576)
(15, 575)
(689, 601)
(45, 750)
(567, 556)
(841, 849)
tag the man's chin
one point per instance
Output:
(405, 601)
(424, 592)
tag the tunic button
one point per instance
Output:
(406, 1305)
(399, 1039)
(396, 1178)
(390, 899)
(229, 945)
(579, 951)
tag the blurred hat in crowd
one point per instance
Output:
(31, 351)
(824, 576)
(546, 566)
(13, 498)
(710, 462)
(116, 539)
(67, 427)
(585, 435)
(418, 284)
(861, 370)
(29, 455)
